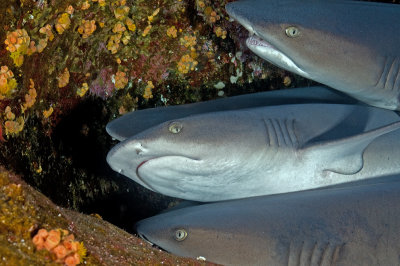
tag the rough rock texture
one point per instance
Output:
(23, 211)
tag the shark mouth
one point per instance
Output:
(172, 157)
(257, 41)
(270, 53)
(142, 179)
(145, 239)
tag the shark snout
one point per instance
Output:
(235, 13)
(123, 154)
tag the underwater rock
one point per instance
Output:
(25, 212)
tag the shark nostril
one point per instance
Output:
(138, 148)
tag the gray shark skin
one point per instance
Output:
(356, 225)
(351, 46)
(135, 122)
(261, 151)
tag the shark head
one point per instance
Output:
(342, 44)
(176, 232)
(197, 232)
(192, 157)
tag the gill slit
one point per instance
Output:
(389, 78)
(313, 253)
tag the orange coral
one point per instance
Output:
(186, 64)
(121, 12)
(60, 251)
(171, 32)
(63, 78)
(39, 238)
(7, 81)
(70, 10)
(220, 32)
(30, 98)
(63, 23)
(41, 45)
(18, 44)
(32, 48)
(72, 260)
(119, 27)
(214, 17)
(113, 43)
(38, 241)
(47, 30)
(14, 127)
(85, 5)
(5, 72)
(147, 91)
(52, 240)
(62, 244)
(210, 14)
(9, 114)
(150, 18)
(47, 113)
(120, 80)
(146, 30)
(16, 40)
(131, 25)
(188, 40)
(87, 28)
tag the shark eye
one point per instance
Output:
(292, 32)
(175, 127)
(180, 234)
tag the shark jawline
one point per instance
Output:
(142, 179)
(254, 40)
(143, 237)
(154, 158)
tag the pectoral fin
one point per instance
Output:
(345, 156)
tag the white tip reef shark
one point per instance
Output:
(355, 225)
(137, 121)
(351, 46)
(260, 151)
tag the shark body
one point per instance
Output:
(261, 151)
(137, 121)
(355, 225)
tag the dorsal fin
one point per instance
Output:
(344, 156)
